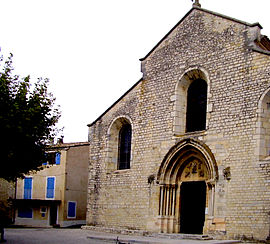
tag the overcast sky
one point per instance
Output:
(90, 49)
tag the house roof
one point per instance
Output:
(67, 145)
(152, 50)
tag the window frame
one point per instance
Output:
(19, 213)
(53, 158)
(57, 158)
(195, 105)
(46, 192)
(31, 189)
(123, 165)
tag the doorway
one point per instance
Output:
(53, 214)
(192, 207)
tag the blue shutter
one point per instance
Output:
(57, 158)
(46, 155)
(71, 209)
(27, 188)
(50, 187)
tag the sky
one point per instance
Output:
(90, 49)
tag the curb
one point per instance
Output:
(123, 240)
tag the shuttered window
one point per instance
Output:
(57, 158)
(25, 212)
(71, 210)
(27, 194)
(50, 187)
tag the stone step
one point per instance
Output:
(183, 236)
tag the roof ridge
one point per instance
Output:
(204, 10)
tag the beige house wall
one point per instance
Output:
(39, 180)
(70, 185)
(76, 182)
(39, 187)
(220, 50)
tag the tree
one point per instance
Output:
(28, 118)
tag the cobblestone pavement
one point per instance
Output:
(79, 236)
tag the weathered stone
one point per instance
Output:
(230, 56)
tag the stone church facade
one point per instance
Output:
(186, 149)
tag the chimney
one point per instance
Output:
(60, 140)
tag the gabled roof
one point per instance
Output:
(188, 13)
(203, 10)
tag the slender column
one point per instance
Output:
(161, 200)
(211, 197)
(164, 200)
(177, 208)
(212, 200)
(168, 199)
(173, 201)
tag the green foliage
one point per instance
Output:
(27, 122)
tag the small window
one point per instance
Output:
(50, 187)
(124, 147)
(25, 212)
(43, 209)
(53, 158)
(27, 193)
(57, 158)
(71, 210)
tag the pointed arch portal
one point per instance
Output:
(187, 178)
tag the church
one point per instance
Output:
(187, 148)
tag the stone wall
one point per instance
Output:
(217, 49)
(7, 192)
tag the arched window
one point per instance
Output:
(190, 105)
(119, 147)
(263, 126)
(196, 106)
(124, 147)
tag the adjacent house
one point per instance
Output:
(55, 195)
(186, 149)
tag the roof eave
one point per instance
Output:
(89, 125)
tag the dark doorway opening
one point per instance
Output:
(192, 204)
(53, 215)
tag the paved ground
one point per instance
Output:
(79, 236)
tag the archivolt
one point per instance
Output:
(181, 153)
